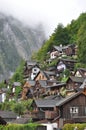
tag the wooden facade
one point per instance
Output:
(73, 109)
(74, 83)
(41, 76)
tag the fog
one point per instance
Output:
(48, 12)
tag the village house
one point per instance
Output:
(72, 108)
(80, 72)
(55, 88)
(30, 69)
(73, 83)
(69, 63)
(45, 109)
(69, 50)
(61, 110)
(3, 93)
(28, 89)
(57, 51)
(41, 76)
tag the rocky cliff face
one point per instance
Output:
(16, 42)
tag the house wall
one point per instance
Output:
(72, 85)
(40, 77)
(80, 103)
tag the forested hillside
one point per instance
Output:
(73, 33)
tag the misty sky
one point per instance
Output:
(48, 12)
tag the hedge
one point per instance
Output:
(30, 126)
(72, 126)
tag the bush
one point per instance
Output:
(72, 126)
(30, 126)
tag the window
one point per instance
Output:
(35, 69)
(73, 110)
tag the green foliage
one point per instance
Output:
(61, 35)
(18, 75)
(82, 44)
(19, 108)
(72, 126)
(30, 126)
(75, 32)
(42, 53)
(6, 105)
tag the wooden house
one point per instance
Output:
(28, 68)
(55, 88)
(72, 109)
(41, 76)
(69, 50)
(69, 109)
(27, 91)
(45, 108)
(14, 87)
(69, 63)
(80, 72)
(73, 83)
(50, 74)
(3, 92)
(56, 51)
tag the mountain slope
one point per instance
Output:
(16, 42)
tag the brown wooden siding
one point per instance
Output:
(79, 102)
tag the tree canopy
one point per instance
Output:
(75, 33)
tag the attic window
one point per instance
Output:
(73, 109)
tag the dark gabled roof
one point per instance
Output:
(49, 101)
(53, 81)
(57, 85)
(50, 73)
(76, 79)
(43, 103)
(8, 114)
(43, 74)
(68, 98)
(54, 97)
(58, 48)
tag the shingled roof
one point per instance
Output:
(68, 98)
(48, 102)
(77, 79)
(8, 114)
